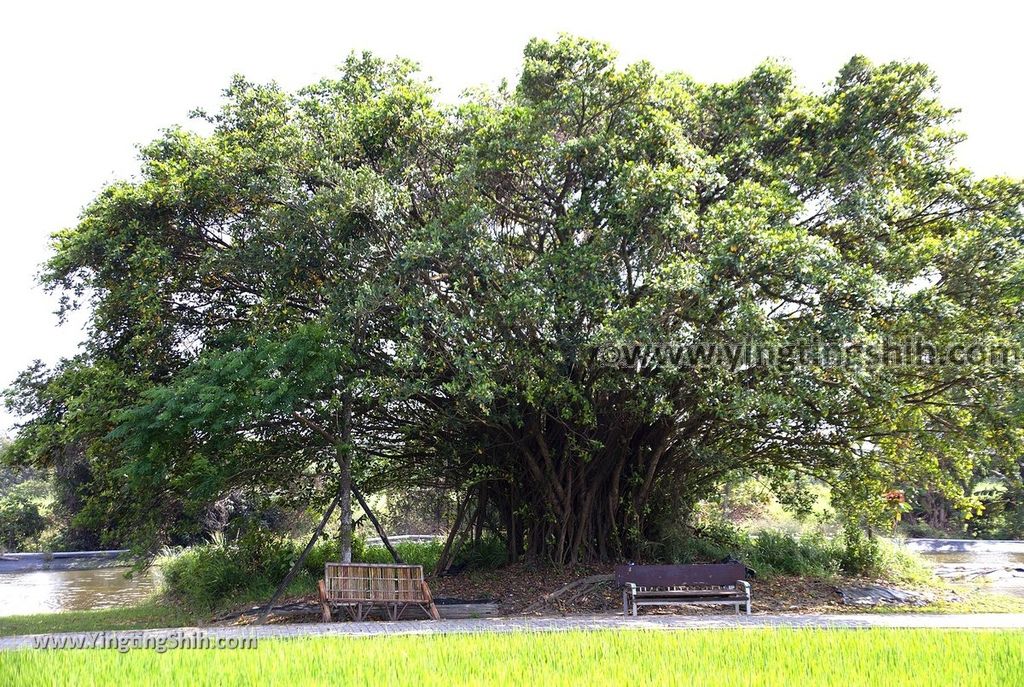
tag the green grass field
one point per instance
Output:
(145, 615)
(721, 657)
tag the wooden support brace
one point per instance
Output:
(325, 604)
(431, 608)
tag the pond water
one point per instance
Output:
(44, 591)
(982, 558)
(999, 571)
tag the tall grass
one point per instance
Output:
(424, 553)
(489, 552)
(775, 552)
(783, 657)
(205, 577)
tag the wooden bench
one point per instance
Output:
(659, 585)
(361, 587)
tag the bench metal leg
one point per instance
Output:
(629, 596)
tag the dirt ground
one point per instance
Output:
(520, 587)
(516, 587)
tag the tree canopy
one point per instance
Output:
(357, 281)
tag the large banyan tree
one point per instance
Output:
(355, 285)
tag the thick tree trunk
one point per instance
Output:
(575, 494)
(345, 481)
(579, 508)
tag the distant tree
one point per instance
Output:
(21, 515)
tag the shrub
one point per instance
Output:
(327, 550)
(268, 556)
(21, 518)
(203, 576)
(207, 575)
(487, 553)
(323, 551)
(861, 555)
(709, 544)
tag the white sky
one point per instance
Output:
(84, 84)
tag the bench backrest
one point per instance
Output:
(698, 575)
(369, 582)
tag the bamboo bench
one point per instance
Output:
(700, 585)
(361, 587)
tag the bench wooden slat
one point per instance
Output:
(358, 582)
(711, 575)
(688, 592)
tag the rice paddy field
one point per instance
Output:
(784, 657)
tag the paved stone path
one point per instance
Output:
(979, 621)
